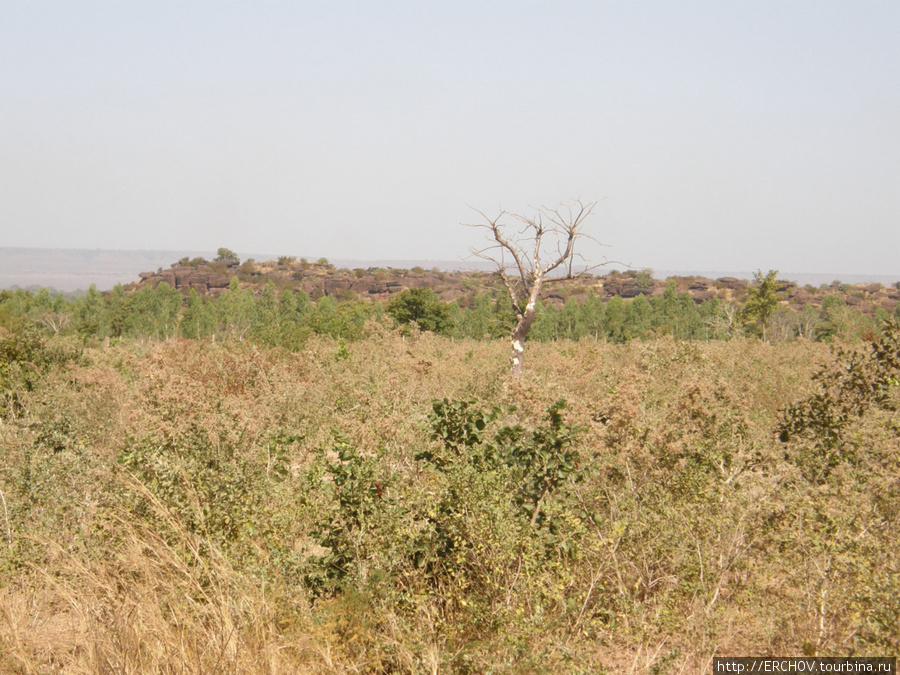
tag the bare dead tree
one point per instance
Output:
(55, 321)
(531, 251)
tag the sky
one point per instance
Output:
(715, 135)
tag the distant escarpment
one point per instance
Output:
(319, 279)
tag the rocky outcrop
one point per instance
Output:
(203, 278)
(625, 286)
(320, 279)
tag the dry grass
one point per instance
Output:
(694, 533)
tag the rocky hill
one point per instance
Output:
(319, 279)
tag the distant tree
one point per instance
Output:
(840, 320)
(676, 314)
(265, 325)
(226, 255)
(592, 312)
(615, 319)
(13, 309)
(294, 318)
(643, 278)
(341, 319)
(41, 301)
(640, 315)
(569, 321)
(90, 314)
(235, 310)
(762, 299)
(689, 324)
(527, 250)
(119, 304)
(481, 321)
(198, 320)
(155, 312)
(546, 322)
(422, 306)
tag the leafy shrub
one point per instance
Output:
(538, 461)
(854, 383)
(643, 278)
(355, 533)
(422, 306)
(25, 357)
(210, 486)
(459, 427)
(488, 520)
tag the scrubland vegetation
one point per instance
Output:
(179, 500)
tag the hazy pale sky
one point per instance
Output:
(718, 135)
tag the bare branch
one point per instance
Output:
(503, 243)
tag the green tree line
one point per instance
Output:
(288, 318)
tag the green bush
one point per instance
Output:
(360, 531)
(856, 381)
(213, 488)
(26, 357)
(422, 306)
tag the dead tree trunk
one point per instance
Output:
(519, 335)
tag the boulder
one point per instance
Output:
(732, 283)
(634, 291)
(216, 280)
(166, 276)
(622, 286)
(785, 286)
(700, 284)
(360, 286)
(182, 276)
(332, 286)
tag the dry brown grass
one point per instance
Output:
(696, 534)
